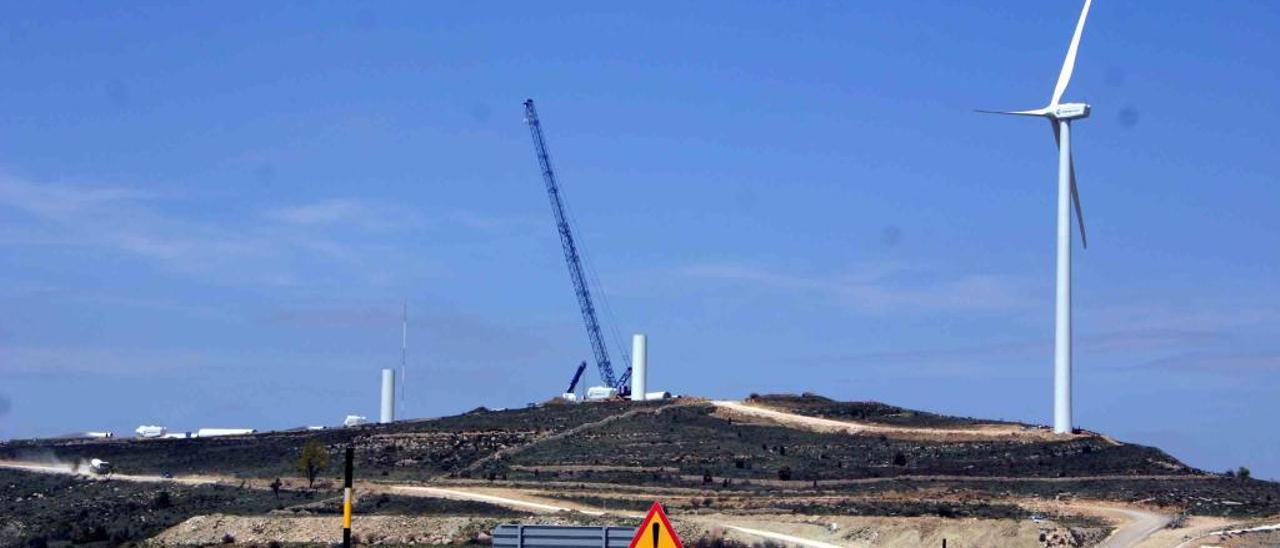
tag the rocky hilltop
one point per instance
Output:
(770, 454)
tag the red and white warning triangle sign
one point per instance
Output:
(656, 531)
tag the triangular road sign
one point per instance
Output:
(656, 531)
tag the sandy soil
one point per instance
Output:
(210, 530)
(1218, 532)
(1004, 432)
(867, 531)
(1269, 539)
(505, 497)
(815, 532)
(1135, 526)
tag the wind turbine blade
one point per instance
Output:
(1075, 197)
(1069, 64)
(1037, 112)
(1075, 192)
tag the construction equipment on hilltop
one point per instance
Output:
(571, 256)
(573, 384)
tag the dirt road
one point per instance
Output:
(509, 498)
(770, 535)
(522, 501)
(819, 424)
(75, 470)
(1135, 525)
(1140, 524)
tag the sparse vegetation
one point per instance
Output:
(162, 500)
(313, 460)
(687, 442)
(72, 509)
(685, 445)
(90, 510)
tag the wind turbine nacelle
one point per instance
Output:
(1071, 111)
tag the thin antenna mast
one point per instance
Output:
(404, 345)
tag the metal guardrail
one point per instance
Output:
(562, 536)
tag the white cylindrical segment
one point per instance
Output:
(388, 396)
(1062, 332)
(639, 367)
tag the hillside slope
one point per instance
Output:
(690, 444)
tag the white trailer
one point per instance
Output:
(150, 431)
(601, 393)
(215, 432)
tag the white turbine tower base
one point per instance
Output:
(1060, 116)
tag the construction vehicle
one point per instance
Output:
(100, 467)
(574, 261)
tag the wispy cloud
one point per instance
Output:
(61, 202)
(883, 287)
(347, 213)
(1112, 343)
(1192, 315)
(1218, 362)
(115, 218)
(277, 246)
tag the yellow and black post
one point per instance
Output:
(346, 500)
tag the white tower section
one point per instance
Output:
(1062, 331)
(388, 396)
(639, 366)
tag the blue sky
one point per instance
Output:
(210, 214)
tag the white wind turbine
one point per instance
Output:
(1060, 116)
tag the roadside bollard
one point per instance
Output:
(346, 500)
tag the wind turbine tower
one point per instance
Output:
(1060, 115)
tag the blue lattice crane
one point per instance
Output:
(573, 259)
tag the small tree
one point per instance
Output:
(1243, 473)
(161, 500)
(314, 459)
(899, 459)
(784, 473)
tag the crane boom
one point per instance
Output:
(571, 256)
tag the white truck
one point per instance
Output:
(100, 467)
(151, 431)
